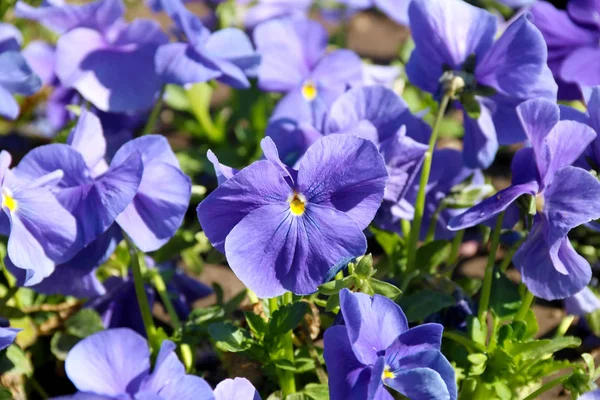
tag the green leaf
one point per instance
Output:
(538, 349)
(285, 364)
(235, 302)
(589, 361)
(287, 318)
(431, 255)
(295, 396)
(421, 304)
(389, 241)
(333, 302)
(13, 361)
(471, 105)
(502, 390)
(477, 332)
(334, 287)
(276, 396)
(316, 391)
(384, 288)
(229, 338)
(258, 326)
(5, 394)
(61, 344)
(84, 323)
(504, 299)
(364, 268)
(477, 358)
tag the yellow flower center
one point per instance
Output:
(309, 91)
(387, 374)
(539, 202)
(297, 204)
(8, 201)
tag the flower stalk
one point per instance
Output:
(486, 290)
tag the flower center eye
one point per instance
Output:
(297, 204)
(8, 201)
(309, 91)
(387, 374)
(539, 202)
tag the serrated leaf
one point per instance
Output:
(384, 288)
(538, 349)
(420, 305)
(229, 338)
(84, 323)
(287, 318)
(257, 324)
(504, 299)
(13, 361)
(364, 268)
(316, 391)
(334, 287)
(431, 255)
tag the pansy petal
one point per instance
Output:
(295, 107)
(120, 357)
(373, 323)
(88, 139)
(480, 142)
(348, 377)
(9, 108)
(273, 251)
(188, 387)
(515, 61)
(323, 177)
(446, 32)
(425, 375)
(16, 75)
(254, 186)
(291, 138)
(234, 45)
(337, 71)
(538, 117)
(417, 339)
(539, 273)
(582, 303)
(585, 11)
(223, 172)
(179, 64)
(377, 390)
(238, 389)
(167, 368)
(41, 58)
(7, 336)
(578, 67)
(153, 148)
(492, 206)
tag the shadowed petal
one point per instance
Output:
(7, 336)
(179, 64)
(480, 142)
(324, 179)
(88, 139)
(188, 387)
(578, 67)
(16, 75)
(582, 303)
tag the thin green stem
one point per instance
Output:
(525, 306)
(312, 350)
(454, 253)
(11, 292)
(432, 225)
(564, 325)
(154, 114)
(199, 96)
(160, 286)
(38, 388)
(464, 341)
(486, 289)
(509, 256)
(546, 387)
(140, 290)
(415, 231)
(287, 380)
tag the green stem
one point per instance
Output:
(38, 388)
(199, 96)
(287, 380)
(11, 292)
(154, 114)
(454, 253)
(161, 288)
(321, 374)
(415, 231)
(546, 387)
(486, 290)
(509, 256)
(140, 291)
(434, 220)
(525, 306)
(464, 341)
(564, 325)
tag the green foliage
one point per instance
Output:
(423, 303)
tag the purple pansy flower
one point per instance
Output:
(375, 348)
(582, 303)
(291, 230)
(397, 10)
(265, 10)
(455, 43)
(572, 37)
(7, 334)
(16, 76)
(564, 197)
(236, 389)
(292, 138)
(41, 232)
(94, 39)
(116, 364)
(226, 55)
(295, 62)
(384, 75)
(517, 3)
(593, 395)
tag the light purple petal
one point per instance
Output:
(373, 323)
(273, 251)
(324, 179)
(188, 387)
(236, 389)
(586, 12)
(417, 339)
(582, 303)
(178, 63)
(254, 186)
(348, 377)
(578, 67)
(167, 368)
(291, 138)
(480, 141)
(9, 108)
(7, 336)
(108, 362)
(335, 72)
(234, 45)
(10, 38)
(41, 58)
(16, 75)
(88, 139)
(223, 172)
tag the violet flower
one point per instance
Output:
(572, 38)
(226, 55)
(295, 62)
(41, 232)
(582, 303)
(116, 364)
(291, 230)
(454, 43)
(396, 10)
(16, 76)
(593, 395)
(94, 39)
(564, 198)
(236, 389)
(7, 334)
(265, 10)
(375, 349)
